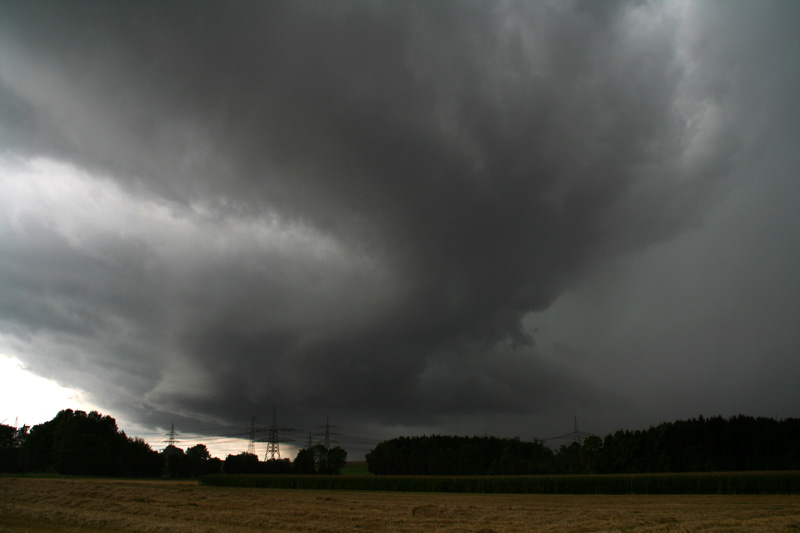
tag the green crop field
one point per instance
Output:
(694, 483)
(356, 468)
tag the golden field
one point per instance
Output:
(92, 505)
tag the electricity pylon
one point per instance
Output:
(172, 436)
(574, 436)
(273, 438)
(251, 446)
(327, 435)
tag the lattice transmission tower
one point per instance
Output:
(274, 439)
(172, 437)
(328, 436)
(251, 446)
(574, 436)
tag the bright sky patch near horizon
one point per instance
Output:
(28, 399)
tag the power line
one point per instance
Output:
(356, 441)
(574, 436)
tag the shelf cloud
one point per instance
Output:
(421, 215)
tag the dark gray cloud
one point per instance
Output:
(355, 207)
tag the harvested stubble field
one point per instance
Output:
(91, 505)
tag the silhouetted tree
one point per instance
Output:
(199, 452)
(702, 444)
(77, 443)
(198, 462)
(11, 439)
(320, 460)
(243, 463)
(334, 460)
(139, 459)
(275, 466)
(590, 455)
(175, 462)
(448, 455)
(304, 462)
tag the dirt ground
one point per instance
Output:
(89, 505)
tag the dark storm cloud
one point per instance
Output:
(365, 199)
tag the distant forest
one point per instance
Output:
(698, 445)
(77, 443)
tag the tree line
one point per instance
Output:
(738, 443)
(315, 460)
(77, 443)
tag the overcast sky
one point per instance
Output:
(410, 217)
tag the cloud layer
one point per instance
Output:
(354, 208)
